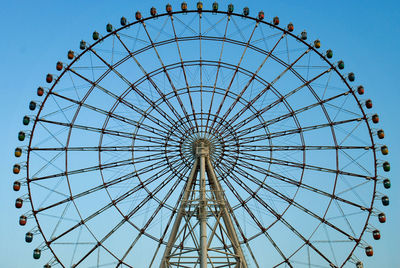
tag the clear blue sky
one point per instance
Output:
(35, 34)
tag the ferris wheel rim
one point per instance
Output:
(230, 14)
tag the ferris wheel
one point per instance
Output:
(201, 138)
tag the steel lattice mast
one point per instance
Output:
(198, 205)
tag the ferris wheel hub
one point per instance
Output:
(202, 143)
(208, 147)
(202, 147)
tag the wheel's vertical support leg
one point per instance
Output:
(216, 186)
(201, 152)
(181, 213)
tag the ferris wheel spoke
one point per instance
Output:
(252, 216)
(286, 163)
(233, 77)
(134, 38)
(143, 96)
(143, 148)
(52, 190)
(103, 131)
(286, 260)
(61, 218)
(125, 102)
(111, 68)
(287, 115)
(79, 224)
(90, 191)
(326, 85)
(135, 189)
(353, 189)
(107, 113)
(140, 205)
(289, 200)
(266, 148)
(85, 170)
(294, 231)
(290, 66)
(157, 189)
(280, 177)
(288, 50)
(184, 74)
(152, 82)
(149, 158)
(217, 74)
(289, 226)
(252, 255)
(172, 84)
(165, 129)
(239, 198)
(201, 70)
(88, 128)
(331, 244)
(273, 104)
(249, 82)
(116, 181)
(251, 139)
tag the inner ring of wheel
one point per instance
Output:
(226, 138)
(177, 65)
(232, 95)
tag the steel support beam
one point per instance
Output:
(204, 166)
(202, 153)
(217, 189)
(181, 213)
